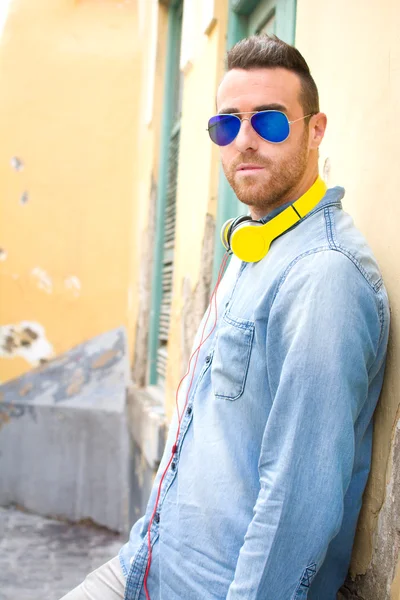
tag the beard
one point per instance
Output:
(268, 189)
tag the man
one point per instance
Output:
(258, 493)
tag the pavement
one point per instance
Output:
(43, 558)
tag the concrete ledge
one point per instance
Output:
(64, 440)
(147, 421)
(147, 425)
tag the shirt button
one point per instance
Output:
(189, 410)
(173, 466)
(208, 358)
(157, 517)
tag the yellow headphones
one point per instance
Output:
(250, 240)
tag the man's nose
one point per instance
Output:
(247, 138)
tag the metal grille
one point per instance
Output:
(168, 260)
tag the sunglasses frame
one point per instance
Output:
(253, 113)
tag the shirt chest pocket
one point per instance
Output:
(231, 357)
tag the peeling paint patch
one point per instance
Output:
(77, 384)
(24, 198)
(25, 389)
(105, 359)
(17, 163)
(11, 411)
(26, 339)
(42, 280)
(76, 376)
(3, 254)
(73, 285)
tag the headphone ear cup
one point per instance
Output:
(224, 233)
(248, 241)
(229, 227)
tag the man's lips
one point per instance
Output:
(249, 167)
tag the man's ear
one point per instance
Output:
(317, 126)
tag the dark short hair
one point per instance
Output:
(270, 52)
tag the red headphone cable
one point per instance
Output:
(213, 299)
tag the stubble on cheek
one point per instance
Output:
(265, 190)
(251, 188)
(258, 190)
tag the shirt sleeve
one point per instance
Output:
(323, 334)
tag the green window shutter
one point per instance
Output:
(262, 19)
(161, 292)
(168, 254)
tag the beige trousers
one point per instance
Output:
(105, 583)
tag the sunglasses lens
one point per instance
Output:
(271, 125)
(223, 129)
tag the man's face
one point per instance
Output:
(263, 174)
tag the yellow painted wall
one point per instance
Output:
(353, 49)
(69, 110)
(150, 106)
(197, 173)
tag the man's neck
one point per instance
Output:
(309, 177)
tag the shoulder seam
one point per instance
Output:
(335, 245)
(317, 250)
(294, 262)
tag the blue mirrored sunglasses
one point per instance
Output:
(272, 125)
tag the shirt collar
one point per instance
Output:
(332, 197)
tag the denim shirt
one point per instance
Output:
(262, 498)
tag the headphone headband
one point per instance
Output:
(250, 240)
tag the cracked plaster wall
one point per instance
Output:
(198, 173)
(354, 77)
(139, 368)
(196, 299)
